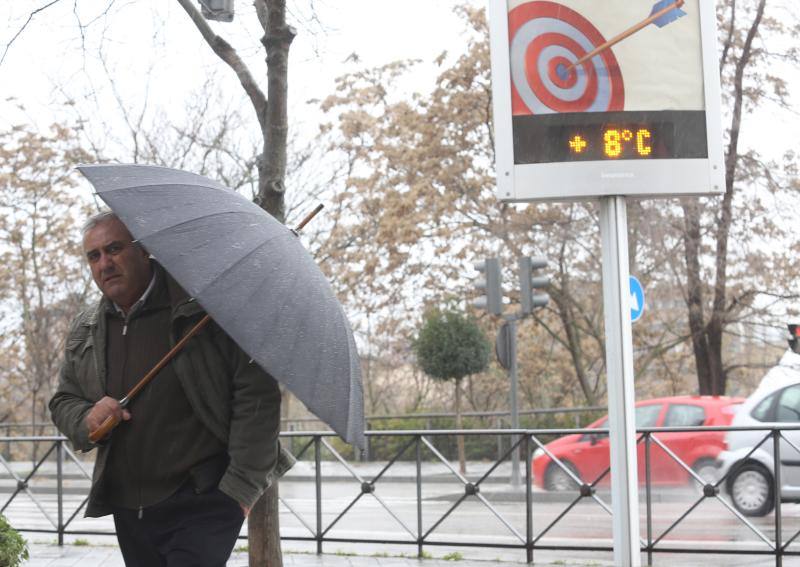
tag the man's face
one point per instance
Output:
(120, 268)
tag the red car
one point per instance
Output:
(587, 454)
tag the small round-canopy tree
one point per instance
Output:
(451, 346)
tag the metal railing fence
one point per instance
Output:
(573, 417)
(420, 447)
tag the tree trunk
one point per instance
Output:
(462, 461)
(272, 167)
(694, 295)
(263, 531)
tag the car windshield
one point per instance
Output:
(789, 405)
(684, 415)
(761, 411)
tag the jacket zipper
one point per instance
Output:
(137, 468)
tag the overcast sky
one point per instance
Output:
(151, 46)
(155, 38)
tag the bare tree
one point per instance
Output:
(42, 281)
(271, 113)
(744, 52)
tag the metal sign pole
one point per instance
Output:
(512, 355)
(619, 368)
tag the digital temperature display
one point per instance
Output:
(628, 141)
(608, 136)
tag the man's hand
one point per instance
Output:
(103, 409)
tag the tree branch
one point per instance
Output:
(24, 26)
(228, 54)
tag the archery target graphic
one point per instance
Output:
(546, 38)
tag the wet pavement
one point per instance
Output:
(43, 555)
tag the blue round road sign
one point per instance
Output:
(637, 299)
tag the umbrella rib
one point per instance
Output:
(254, 214)
(161, 184)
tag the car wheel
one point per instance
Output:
(752, 490)
(707, 470)
(556, 478)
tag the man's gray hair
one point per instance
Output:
(104, 216)
(98, 218)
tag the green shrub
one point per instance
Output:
(13, 548)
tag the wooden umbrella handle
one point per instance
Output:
(105, 428)
(111, 422)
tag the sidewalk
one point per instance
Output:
(109, 556)
(43, 555)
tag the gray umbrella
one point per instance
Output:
(252, 276)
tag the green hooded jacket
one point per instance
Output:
(233, 397)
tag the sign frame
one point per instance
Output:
(582, 180)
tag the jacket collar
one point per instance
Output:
(181, 303)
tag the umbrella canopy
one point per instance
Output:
(252, 276)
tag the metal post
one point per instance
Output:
(776, 451)
(512, 371)
(528, 501)
(649, 497)
(619, 367)
(318, 483)
(498, 425)
(60, 489)
(366, 455)
(419, 496)
(7, 452)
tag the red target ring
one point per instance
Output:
(546, 39)
(541, 89)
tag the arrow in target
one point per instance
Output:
(664, 12)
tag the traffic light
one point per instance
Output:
(490, 284)
(529, 284)
(794, 340)
(219, 10)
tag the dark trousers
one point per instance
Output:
(185, 530)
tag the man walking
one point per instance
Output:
(196, 448)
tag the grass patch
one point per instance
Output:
(81, 542)
(454, 556)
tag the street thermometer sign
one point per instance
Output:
(612, 97)
(602, 100)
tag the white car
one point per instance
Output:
(776, 402)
